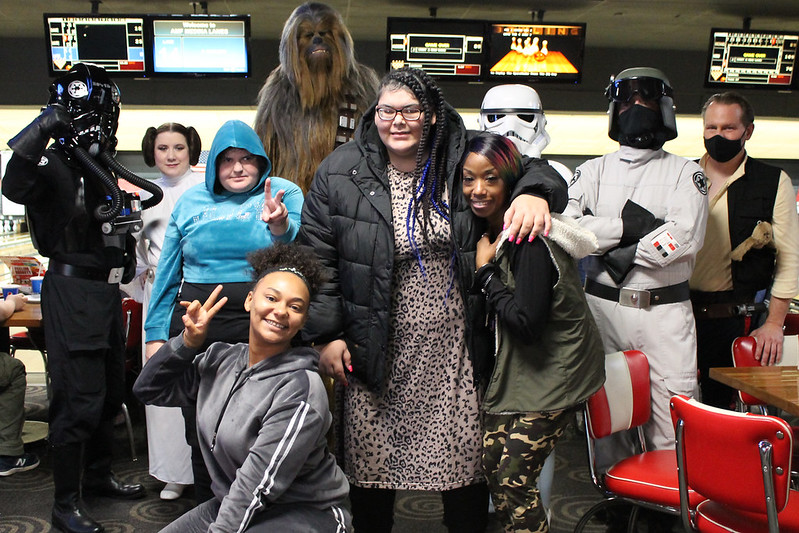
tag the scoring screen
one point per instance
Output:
(115, 43)
(755, 58)
(443, 48)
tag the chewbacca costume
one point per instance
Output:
(312, 102)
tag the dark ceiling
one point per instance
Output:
(653, 24)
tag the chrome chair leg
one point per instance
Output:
(129, 427)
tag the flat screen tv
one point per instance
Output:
(114, 42)
(752, 59)
(444, 48)
(199, 45)
(537, 52)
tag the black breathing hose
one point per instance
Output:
(103, 213)
(147, 185)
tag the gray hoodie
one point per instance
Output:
(261, 428)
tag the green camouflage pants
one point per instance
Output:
(514, 450)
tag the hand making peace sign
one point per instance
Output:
(275, 212)
(197, 317)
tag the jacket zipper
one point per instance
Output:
(233, 389)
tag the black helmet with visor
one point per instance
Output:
(92, 100)
(650, 84)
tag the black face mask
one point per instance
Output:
(639, 127)
(722, 149)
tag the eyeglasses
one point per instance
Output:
(409, 112)
(647, 88)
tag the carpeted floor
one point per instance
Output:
(26, 498)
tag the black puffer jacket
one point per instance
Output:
(347, 220)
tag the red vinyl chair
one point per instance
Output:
(741, 463)
(647, 479)
(743, 354)
(791, 324)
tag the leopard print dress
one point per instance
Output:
(422, 431)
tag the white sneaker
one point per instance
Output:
(172, 491)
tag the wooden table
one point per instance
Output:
(29, 316)
(777, 385)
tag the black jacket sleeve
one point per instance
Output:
(523, 311)
(325, 316)
(169, 378)
(540, 179)
(23, 183)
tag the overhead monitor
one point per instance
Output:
(444, 48)
(114, 42)
(536, 52)
(752, 59)
(200, 45)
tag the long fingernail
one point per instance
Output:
(546, 234)
(349, 367)
(510, 238)
(532, 236)
(519, 240)
(504, 226)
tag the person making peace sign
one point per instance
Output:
(212, 228)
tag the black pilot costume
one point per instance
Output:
(82, 221)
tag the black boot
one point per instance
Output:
(68, 513)
(98, 478)
(109, 486)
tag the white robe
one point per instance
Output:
(170, 456)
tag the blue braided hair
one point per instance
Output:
(428, 175)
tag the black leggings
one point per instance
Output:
(465, 509)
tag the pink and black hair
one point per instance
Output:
(501, 153)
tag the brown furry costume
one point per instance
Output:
(313, 100)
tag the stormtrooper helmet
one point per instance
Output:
(515, 111)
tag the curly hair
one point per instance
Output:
(295, 258)
(193, 142)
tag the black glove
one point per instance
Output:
(636, 222)
(618, 261)
(30, 143)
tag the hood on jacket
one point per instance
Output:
(234, 134)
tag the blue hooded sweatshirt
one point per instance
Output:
(210, 233)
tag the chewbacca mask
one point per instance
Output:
(313, 100)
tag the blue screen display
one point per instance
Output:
(200, 46)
